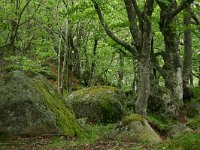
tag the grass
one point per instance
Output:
(190, 141)
(93, 133)
(98, 136)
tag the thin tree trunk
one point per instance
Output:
(64, 71)
(136, 76)
(187, 61)
(121, 70)
(59, 66)
(93, 65)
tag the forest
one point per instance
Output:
(99, 74)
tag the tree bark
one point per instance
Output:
(187, 61)
(93, 64)
(173, 68)
(121, 70)
(144, 86)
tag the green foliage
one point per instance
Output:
(158, 123)
(188, 141)
(95, 132)
(26, 64)
(194, 123)
(196, 91)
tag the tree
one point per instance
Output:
(172, 69)
(187, 61)
(141, 35)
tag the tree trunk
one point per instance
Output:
(93, 64)
(172, 66)
(135, 83)
(145, 69)
(187, 61)
(187, 58)
(59, 66)
(121, 70)
(144, 85)
(172, 62)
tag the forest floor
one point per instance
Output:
(98, 137)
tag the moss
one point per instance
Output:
(133, 117)
(94, 90)
(100, 104)
(111, 111)
(65, 118)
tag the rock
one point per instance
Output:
(193, 109)
(162, 102)
(99, 104)
(179, 129)
(136, 128)
(30, 106)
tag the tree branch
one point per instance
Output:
(137, 10)
(149, 7)
(110, 33)
(18, 21)
(182, 6)
(32, 17)
(133, 22)
(194, 17)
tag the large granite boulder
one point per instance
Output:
(99, 104)
(30, 106)
(135, 128)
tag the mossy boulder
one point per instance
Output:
(162, 102)
(30, 106)
(99, 104)
(136, 129)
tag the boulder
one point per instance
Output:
(162, 102)
(99, 104)
(135, 128)
(193, 109)
(30, 106)
(178, 130)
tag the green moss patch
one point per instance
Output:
(133, 117)
(65, 118)
(100, 104)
